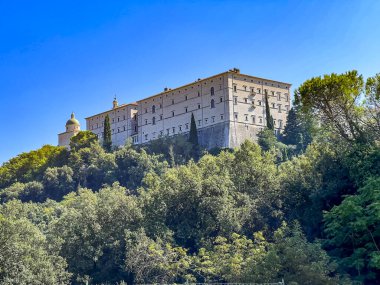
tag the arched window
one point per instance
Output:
(212, 91)
(153, 109)
(153, 120)
(212, 103)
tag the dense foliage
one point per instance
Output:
(303, 207)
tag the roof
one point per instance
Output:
(234, 71)
(118, 107)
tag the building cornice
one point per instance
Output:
(211, 77)
(114, 109)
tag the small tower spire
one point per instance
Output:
(115, 104)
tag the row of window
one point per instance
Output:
(260, 121)
(153, 108)
(258, 91)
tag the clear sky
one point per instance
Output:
(62, 56)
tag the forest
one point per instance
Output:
(303, 206)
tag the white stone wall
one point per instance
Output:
(121, 120)
(247, 106)
(169, 113)
(237, 112)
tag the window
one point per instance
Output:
(245, 88)
(253, 120)
(221, 99)
(280, 123)
(252, 91)
(113, 120)
(185, 109)
(153, 109)
(213, 119)
(245, 100)
(146, 110)
(172, 113)
(287, 108)
(124, 128)
(161, 133)
(235, 100)
(187, 126)
(199, 106)
(199, 94)
(287, 97)
(278, 96)
(153, 120)
(206, 119)
(235, 88)
(221, 117)
(259, 103)
(236, 116)
(199, 122)
(212, 103)
(246, 117)
(160, 106)
(266, 91)
(118, 130)
(146, 137)
(273, 105)
(180, 128)
(186, 98)
(167, 131)
(272, 93)
(118, 119)
(258, 90)
(212, 91)
(146, 121)
(279, 108)
(135, 128)
(172, 101)
(135, 117)
(124, 117)
(260, 120)
(173, 130)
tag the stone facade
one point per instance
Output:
(228, 108)
(123, 121)
(72, 128)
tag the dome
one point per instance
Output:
(72, 121)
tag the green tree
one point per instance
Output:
(193, 135)
(26, 256)
(152, 261)
(195, 202)
(30, 191)
(30, 166)
(353, 230)
(92, 231)
(269, 118)
(58, 181)
(133, 165)
(334, 100)
(372, 104)
(83, 139)
(107, 140)
(298, 129)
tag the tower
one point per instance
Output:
(72, 128)
(115, 103)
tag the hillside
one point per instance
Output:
(303, 206)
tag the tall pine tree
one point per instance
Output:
(107, 141)
(193, 137)
(270, 124)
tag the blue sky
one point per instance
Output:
(62, 56)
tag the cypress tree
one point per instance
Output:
(270, 124)
(107, 141)
(193, 137)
